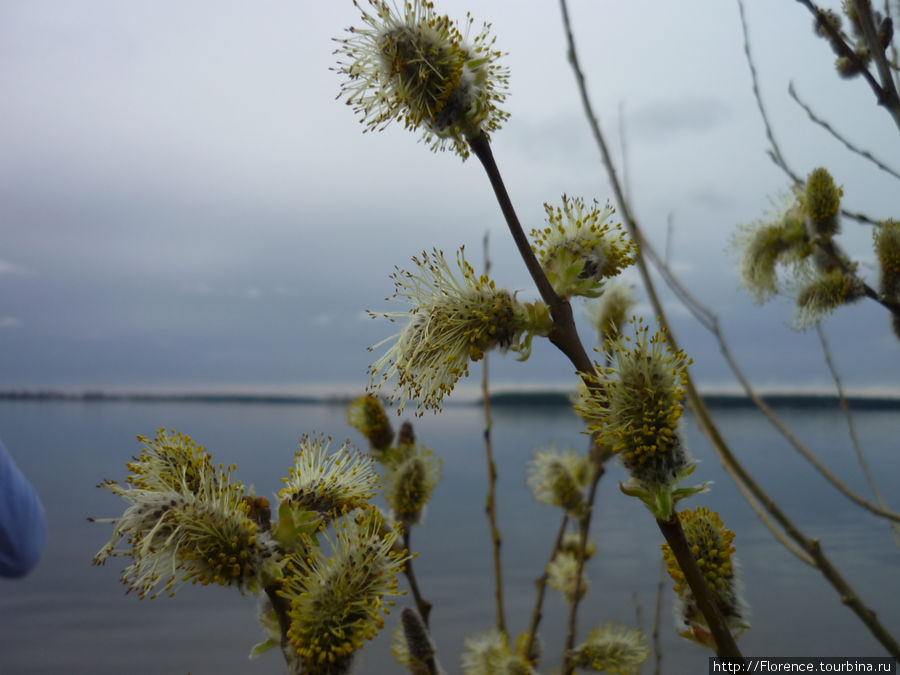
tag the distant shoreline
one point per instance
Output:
(507, 399)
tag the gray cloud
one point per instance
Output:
(666, 119)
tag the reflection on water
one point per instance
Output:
(70, 617)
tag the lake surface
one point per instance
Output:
(70, 617)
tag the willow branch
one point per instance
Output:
(423, 605)
(851, 427)
(775, 151)
(704, 419)
(726, 648)
(657, 613)
(852, 600)
(564, 334)
(584, 527)
(837, 136)
(541, 585)
(490, 506)
(764, 517)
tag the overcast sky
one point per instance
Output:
(183, 202)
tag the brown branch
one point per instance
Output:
(564, 334)
(763, 516)
(423, 605)
(657, 645)
(852, 600)
(541, 585)
(490, 503)
(726, 648)
(775, 151)
(847, 144)
(851, 427)
(584, 528)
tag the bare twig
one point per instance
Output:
(764, 517)
(638, 619)
(423, 605)
(774, 152)
(584, 524)
(623, 142)
(851, 599)
(564, 335)
(847, 144)
(490, 505)
(657, 614)
(726, 648)
(541, 585)
(851, 427)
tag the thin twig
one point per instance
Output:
(847, 144)
(775, 152)
(764, 517)
(657, 614)
(281, 606)
(564, 335)
(584, 528)
(638, 619)
(423, 605)
(851, 427)
(541, 585)
(851, 599)
(490, 506)
(704, 419)
(726, 648)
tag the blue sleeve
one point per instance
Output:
(23, 527)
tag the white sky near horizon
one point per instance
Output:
(184, 204)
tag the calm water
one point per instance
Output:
(71, 617)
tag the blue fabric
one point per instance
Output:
(23, 526)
